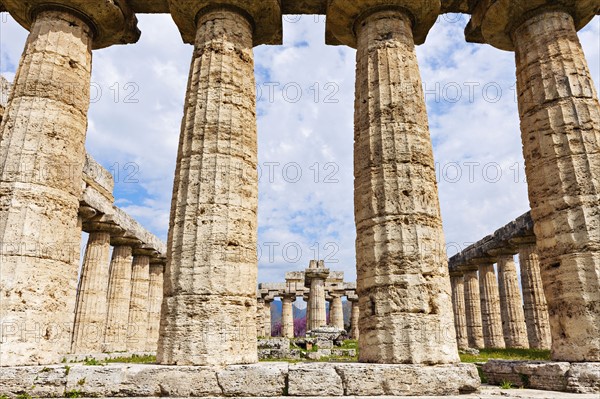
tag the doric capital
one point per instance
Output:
(265, 16)
(343, 15)
(111, 21)
(494, 21)
(315, 274)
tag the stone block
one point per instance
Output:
(36, 381)
(253, 380)
(314, 380)
(584, 378)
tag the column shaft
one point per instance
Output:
(213, 266)
(41, 163)
(287, 317)
(473, 310)
(491, 317)
(318, 311)
(511, 305)
(536, 308)
(155, 296)
(90, 313)
(119, 296)
(560, 126)
(336, 313)
(354, 320)
(402, 272)
(137, 325)
(308, 306)
(268, 319)
(460, 318)
(260, 317)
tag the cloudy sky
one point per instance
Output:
(305, 125)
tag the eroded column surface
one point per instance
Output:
(336, 316)
(41, 163)
(491, 316)
(318, 311)
(137, 325)
(473, 310)
(403, 283)
(90, 313)
(119, 296)
(460, 318)
(287, 317)
(306, 298)
(560, 125)
(267, 318)
(511, 305)
(354, 319)
(260, 316)
(211, 276)
(155, 296)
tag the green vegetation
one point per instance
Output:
(24, 395)
(506, 385)
(81, 382)
(3, 397)
(67, 370)
(92, 362)
(45, 370)
(148, 359)
(506, 354)
(74, 393)
(349, 344)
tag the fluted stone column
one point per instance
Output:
(354, 318)
(318, 311)
(260, 317)
(306, 298)
(402, 272)
(287, 317)
(138, 306)
(511, 305)
(212, 263)
(267, 319)
(473, 310)
(336, 312)
(560, 130)
(491, 316)
(536, 308)
(90, 313)
(460, 317)
(155, 296)
(41, 165)
(119, 296)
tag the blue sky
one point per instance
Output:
(306, 102)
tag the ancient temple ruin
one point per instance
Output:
(407, 335)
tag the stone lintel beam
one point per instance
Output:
(344, 15)
(493, 21)
(112, 22)
(97, 177)
(265, 17)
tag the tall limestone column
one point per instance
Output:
(155, 296)
(137, 326)
(511, 305)
(560, 130)
(354, 317)
(119, 296)
(473, 310)
(315, 279)
(268, 318)
(41, 166)
(90, 312)
(287, 317)
(211, 276)
(260, 316)
(457, 282)
(536, 308)
(402, 270)
(306, 298)
(491, 316)
(336, 312)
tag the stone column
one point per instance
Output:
(336, 312)
(306, 298)
(267, 319)
(511, 305)
(155, 296)
(260, 316)
(287, 317)
(402, 271)
(213, 265)
(90, 313)
(473, 310)
(354, 318)
(119, 295)
(490, 307)
(318, 312)
(42, 156)
(458, 302)
(560, 130)
(137, 325)
(536, 308)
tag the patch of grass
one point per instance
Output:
(74, 393)
(506, 385)
(67, 370)
(148, 359)
(506, 354)
(349, 344)
(81, 382)
(482, 375)
(270, 360)
(3, 397)
(24, 395)
(45, 370)
(92, 362)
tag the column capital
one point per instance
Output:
(343, 15)
(94, 227)
(112, 22)
(265, 17)
(494, 21)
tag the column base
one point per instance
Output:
(547, 376)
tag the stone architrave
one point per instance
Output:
(155, 296)
(287, 317)
(473, 310)
(511, 304)
(137, 326)
(42, 157)
(491, 316)
(460, 317)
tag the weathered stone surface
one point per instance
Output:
(403, 284)
(336, 313)
(311, 379)
(560, 128)
(36, 381)
(584, 378)
(155, 296)
(267, 318)
(90, 313)
(209, 310)
(460, 318)
(287, 318)
(253, 380)
(511, 304)
(137, 326)
(490, 307)
(315, 279)
(118, 298)
(354, 319)
(42, 156)
(473, 310)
